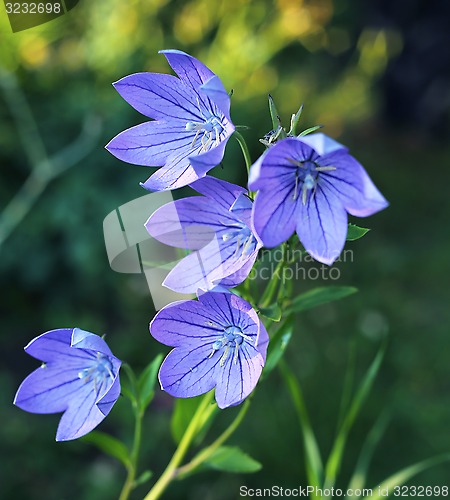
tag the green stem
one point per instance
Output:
(186, 469)
(269, 292)
(248, 161)
(168, 475)
(132, 469)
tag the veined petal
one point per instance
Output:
(278, 162)
(190, 70)
(222, 192)
(241, 274)
(48, 389)
(159, 96)
(263, 340)
(206, 161)
(237, 379)
(205, 267)
(188, 373)
(106, 403)
(189, 223)
(352, 185)
(242, 208)
(275, 212)
(151, 143)
(214, 89)
(81, 416)
(322, 225)
(82, 339)
(184, 322)
(322, 144)
(52, 345)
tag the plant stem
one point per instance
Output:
(248, 161)
(131, 476)
(169, 474)
(186, 469)
(271, 288)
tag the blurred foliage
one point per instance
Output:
(352, 64)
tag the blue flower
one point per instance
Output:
(191, 122)
(308, 185)
(79, 376)
(217, 227)
(219, 342)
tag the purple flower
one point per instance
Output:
(191, 124)
(308, 185)
(219, 342)
(217, 226)
(79, 376)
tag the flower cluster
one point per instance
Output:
(307, 184)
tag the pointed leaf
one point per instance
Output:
(109, 445)
(147, 381)
(356, 232)
(335, 458)
(310, 130)
(318, 296)
(232, 459)
(274, 115)
(404, 475)
(143, 478)
(272, 312)
(184, 410)
(278, 344)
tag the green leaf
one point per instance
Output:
(109, 445)
(184, 410)
(274, 115)
(335, 459)
(310, 130)
(232, 459)
(314, 466)
(147, 381)
(355, 232)
(143, 478)
(404, 475)
(359, 478)
(272, 312)
(278, 344)
(294, 122)
(318, 296)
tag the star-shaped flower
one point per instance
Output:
(219, 342)
(308, 185)
(191, 124)
(79, 376)
(217, 227)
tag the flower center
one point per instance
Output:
(231, 338)
(98, 372)
(210, 129)
(245, 240)
(307, 174)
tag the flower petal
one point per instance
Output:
(52, 345)
(82, 339)
(322, 144)
(159, 96)
(189, 223)
(151, 143)
(222, 192)
(237, 379)
(274, 213)
(188, 373)
(185, 322)
(352, 185)
(214, 89)
(190, 70)
(322, 225)
(241, 274)
(81, 416)
(49, 389)
(109, 399)
(263, 340)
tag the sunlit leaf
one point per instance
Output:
(147, 381)
(404, 475)
(319, 296)
(355, 232)
(232, 459)
(278, 344)
(272, 312)
(109, 445)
